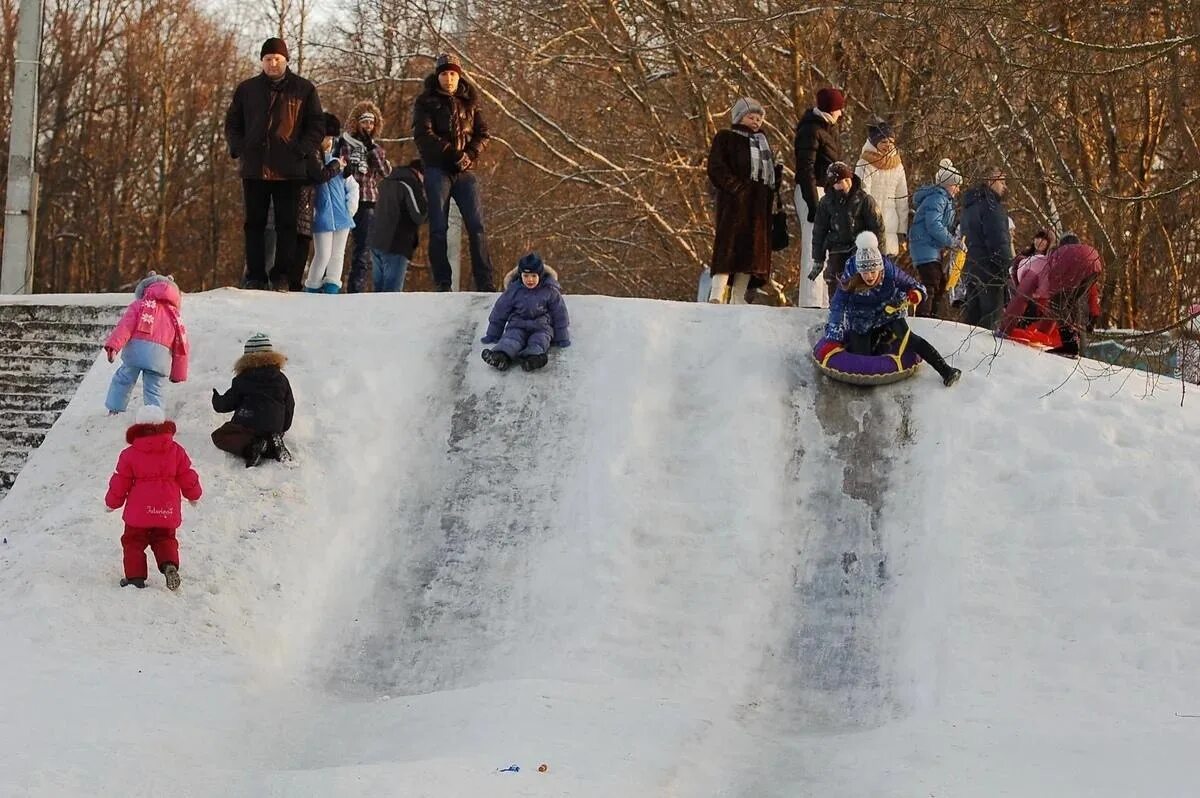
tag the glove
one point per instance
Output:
(816, 271)
(562, 344)
(827, 348)
(914, 297)
(489, 339)
(812, 213)
(110, 353)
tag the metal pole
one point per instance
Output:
(16, 269)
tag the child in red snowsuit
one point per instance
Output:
(151, 474)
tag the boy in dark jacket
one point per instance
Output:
(261, 402)
(527, 318)
(400, 211)
(844, 212)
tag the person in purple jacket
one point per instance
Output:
(527, 318)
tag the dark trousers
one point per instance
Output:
(233, 438)
(835, 264)
(260, 195)
(1067, 309)
(933, 277)
(985, 299)
(877, 340)
(360, 258)
(462, 187)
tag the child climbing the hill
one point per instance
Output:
(335, 202)
(527, 318)
(261, 402)
(151, 474)
(152, 341)
(867, 310)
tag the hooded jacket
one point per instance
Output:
(540, 309)
(932, 224)
(447, 127)
(151, 335)
(151, 474)
(261, 396)
(863, 311)
(399, 213)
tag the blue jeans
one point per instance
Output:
(360, 258)
(389, 270)
(122, 385)
(441, 187)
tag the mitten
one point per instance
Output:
(110, 352)
(827, 348)
(812, 214)
(914, 297)
(489, 339)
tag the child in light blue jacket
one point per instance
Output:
(334, 204)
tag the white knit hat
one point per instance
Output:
(745, 106)
(150, 414)
(867, 258)
(948, 174)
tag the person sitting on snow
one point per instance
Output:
(527, 318)
(261, 402)
(867, 310)
(151, 474)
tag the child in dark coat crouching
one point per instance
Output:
(261, 402)
(527, 318)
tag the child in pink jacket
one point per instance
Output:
(152, 341)
(151, 474)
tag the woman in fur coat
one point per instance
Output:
(367, 163)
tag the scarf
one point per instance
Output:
(827, 117)
(762, 162)
(878, 160)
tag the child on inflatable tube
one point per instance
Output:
(867, 310)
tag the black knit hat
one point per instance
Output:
(531, 263)
(446, 62)
(274, 46)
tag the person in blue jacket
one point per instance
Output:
(527, 318)
(932, 230)
(867, 310)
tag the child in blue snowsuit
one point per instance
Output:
(528, 317)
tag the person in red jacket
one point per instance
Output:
(151, 474)
(1071, 275)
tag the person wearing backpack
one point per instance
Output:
(400, 211)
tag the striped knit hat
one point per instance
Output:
(259, 342)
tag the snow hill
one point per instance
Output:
(678, 562)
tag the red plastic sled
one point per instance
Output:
(1040, 335)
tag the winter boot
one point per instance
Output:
(255, 451)
(497, 360)
(1069, 349)
(171, 572)
(308, 290)
(277, 450)
(534, 362)
(948, 374)
(951, 377)
(137, 581)
(331, 288)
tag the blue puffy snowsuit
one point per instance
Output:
(527, 320)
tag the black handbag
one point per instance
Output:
(779, 228)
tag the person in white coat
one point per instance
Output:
(882, 174)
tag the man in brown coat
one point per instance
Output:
(273, 125)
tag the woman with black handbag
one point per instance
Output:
(745, 176)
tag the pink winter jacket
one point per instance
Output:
(151, 473)
(154, 319)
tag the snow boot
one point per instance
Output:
(255, 451)
(534, 362)
(277, 450)
(171, 572)
(137, 581)
(951, 377)
(308, 290)
(497, 360)
(331, 288)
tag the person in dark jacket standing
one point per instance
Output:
(745, 177)
(817, 148)
(844, 212)
(399, 213)
(451, 134)
(273, 124)
(989, 249)
(261, 402)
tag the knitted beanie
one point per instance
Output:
(838, 170)
(947, 174)
(446, 62)
(830, 100)
(867, 257)
(149, 414)
(531, 263)
(880, 131)
(259, 342)
(274, 46)
(745, 106)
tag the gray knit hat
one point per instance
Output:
(259, 342)
(745, 106)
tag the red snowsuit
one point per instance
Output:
(151, 474)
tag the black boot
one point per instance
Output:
(255, 451)
(137, 581)
(948, 374)
(277, 450)
(951, 377)
(534, 362)
(497, 360)
(1069, 349)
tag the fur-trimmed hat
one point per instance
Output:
(259, 342)
(446, 62)
(531, 263)
(274, 46)
(867, 257)
(830, 99)
(149, 414)
(150, 279)
(745, 106)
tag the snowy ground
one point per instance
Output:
(676, 563)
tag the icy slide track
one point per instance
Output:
(678, 562)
